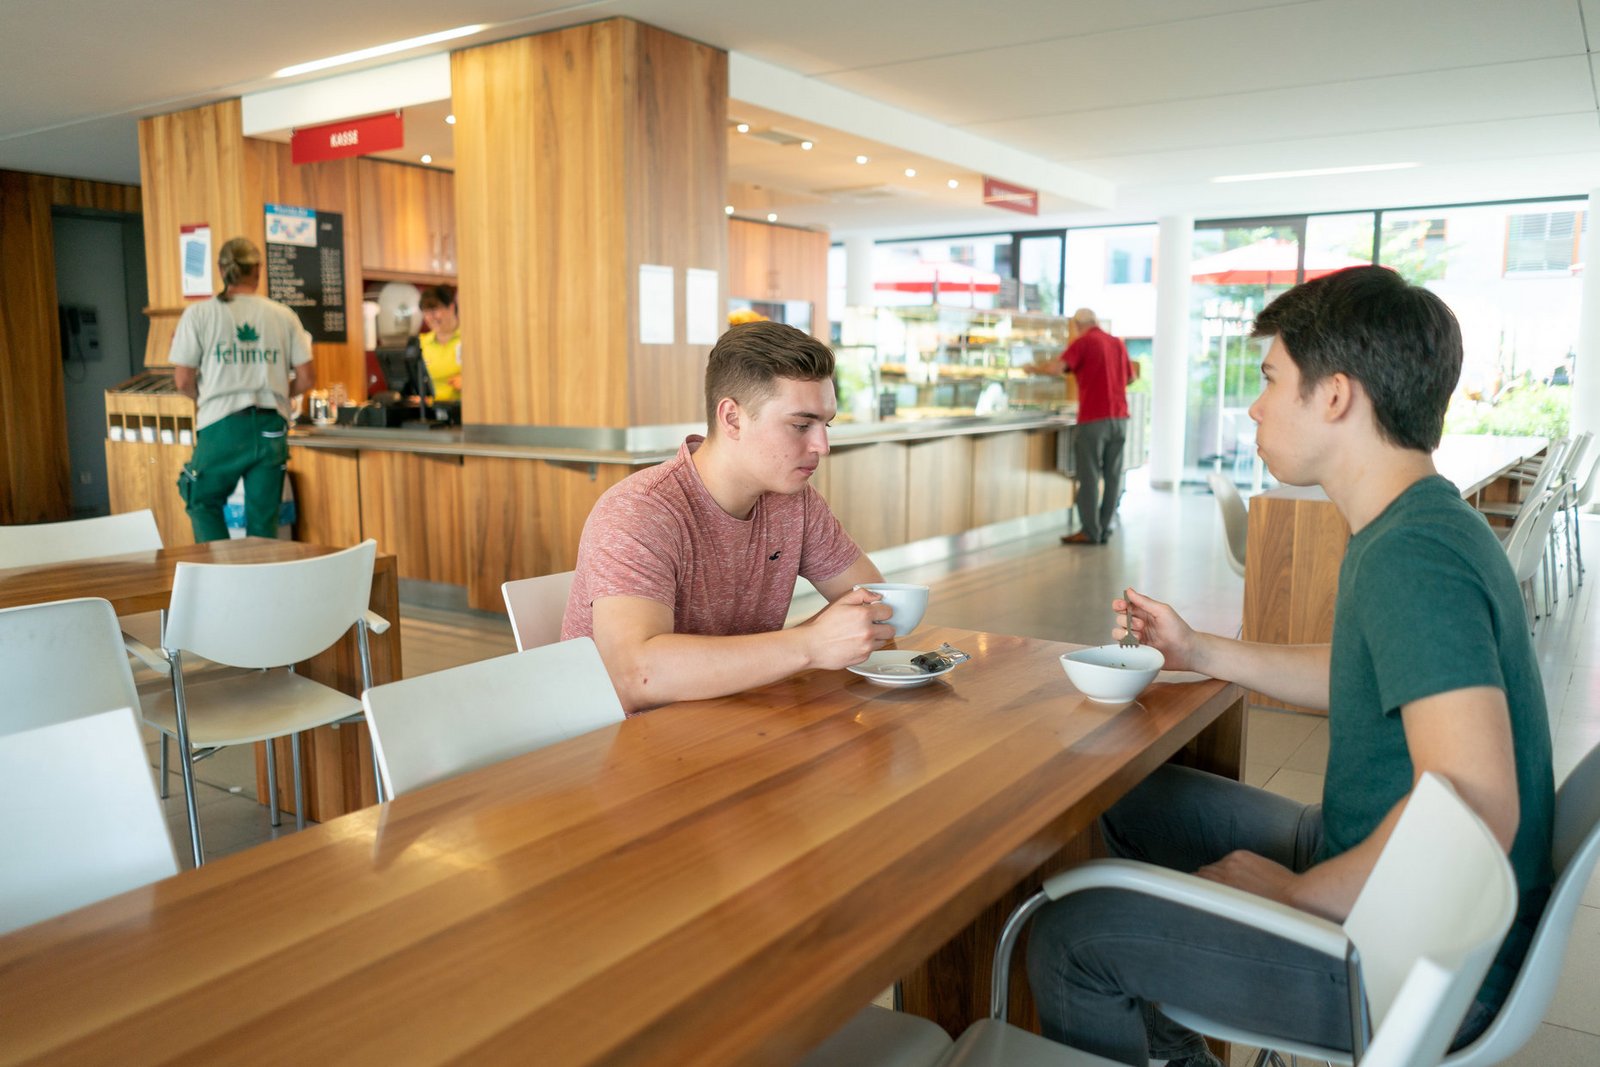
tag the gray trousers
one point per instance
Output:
(1098, 961)
(1097, 455)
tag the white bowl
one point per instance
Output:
(1112, 674)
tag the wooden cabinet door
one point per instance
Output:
(441, 205)
(407, 219)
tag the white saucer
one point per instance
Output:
(893, 667)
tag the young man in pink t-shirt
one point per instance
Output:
(686, 570)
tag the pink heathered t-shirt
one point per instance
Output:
(660, 535)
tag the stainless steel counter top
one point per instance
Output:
(636, 446)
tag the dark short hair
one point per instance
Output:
(749, 358)
(1400, 341)
(437, 296)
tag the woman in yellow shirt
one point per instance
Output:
(441, 342)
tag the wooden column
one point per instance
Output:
(580, 155)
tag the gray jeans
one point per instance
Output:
(1099, 961)
(1097, 455)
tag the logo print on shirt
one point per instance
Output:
(247, 332)
(775, 555)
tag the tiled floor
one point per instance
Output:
(1169, 545)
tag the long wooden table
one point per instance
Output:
(1297, 540)
(338, 761)
(717, 882)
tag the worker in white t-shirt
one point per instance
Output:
(240, 357)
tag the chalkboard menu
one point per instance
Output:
(305, 267)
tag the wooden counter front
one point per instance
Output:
(1297, 540)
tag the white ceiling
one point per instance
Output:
(1493, 98)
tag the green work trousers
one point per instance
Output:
(252, 444)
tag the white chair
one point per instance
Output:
(1575, 848)
(82, 819)
(62, 660)
(878, 1037)
(437, 725)
(61, 542)
(1584, 487)
(1527, 547)
(1417, 944)
(1235, 518)
(266, 617)
(536, 606)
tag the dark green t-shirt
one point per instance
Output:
(1428, 604)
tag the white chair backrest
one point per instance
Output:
(1529, 533)
(1235, 518)
(83, 822)
(536, 606)
(438, 725)
(268, 614)
(1576, 847)
(1584, 475)
(1555, 459)
(60, 542)
(61, 661)
(1441, 891)
(1572, 462)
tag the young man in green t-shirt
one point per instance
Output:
(1431, 669)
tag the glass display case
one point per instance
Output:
(936, 361)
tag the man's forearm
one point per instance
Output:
(671, 667)
(1294, 674)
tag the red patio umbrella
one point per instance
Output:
(948, 277)
(1269, 262)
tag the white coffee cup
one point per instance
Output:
(908, 602)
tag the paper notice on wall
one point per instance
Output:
(194, 253)
(657, 321)
(701, 319)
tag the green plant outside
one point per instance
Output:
(1529, 410)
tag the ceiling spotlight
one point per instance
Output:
(806, 146)
(952, 183)
(728, 210)
(911, 172)
(861, 159)
(743, 127)
(427, 158)
(449, 120)
(772, 216)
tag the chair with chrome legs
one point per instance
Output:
(265, 617)
(535, 607)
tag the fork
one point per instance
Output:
(1128, 639)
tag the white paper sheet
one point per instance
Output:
(701, 307)
(194, 252)
(657, 318)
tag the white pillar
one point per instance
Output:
(858, 272)
(1586, 368)
(1170, 373)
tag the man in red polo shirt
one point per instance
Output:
(1100, 363)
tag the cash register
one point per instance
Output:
(410, 393)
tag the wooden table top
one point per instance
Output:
(138, 581)
(716, 882)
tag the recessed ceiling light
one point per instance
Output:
(728, 210)
(952, 183)
(806, 146)
(772, 216)
(1316, 172)
(911, 172)
(450, 120)
(743, 127)
(427, 158)
(861, 159)
(378, 50)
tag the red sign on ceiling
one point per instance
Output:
(1017, 198)
(348, 137)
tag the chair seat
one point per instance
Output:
(878, 1037)
(992, 1043)
(253, 706)
(1237, 1036)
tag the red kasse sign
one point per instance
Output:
(997, 193)
(348, 137)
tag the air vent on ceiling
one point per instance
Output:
(777, 136)
(859, 193)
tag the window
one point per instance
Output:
(1541, 243)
